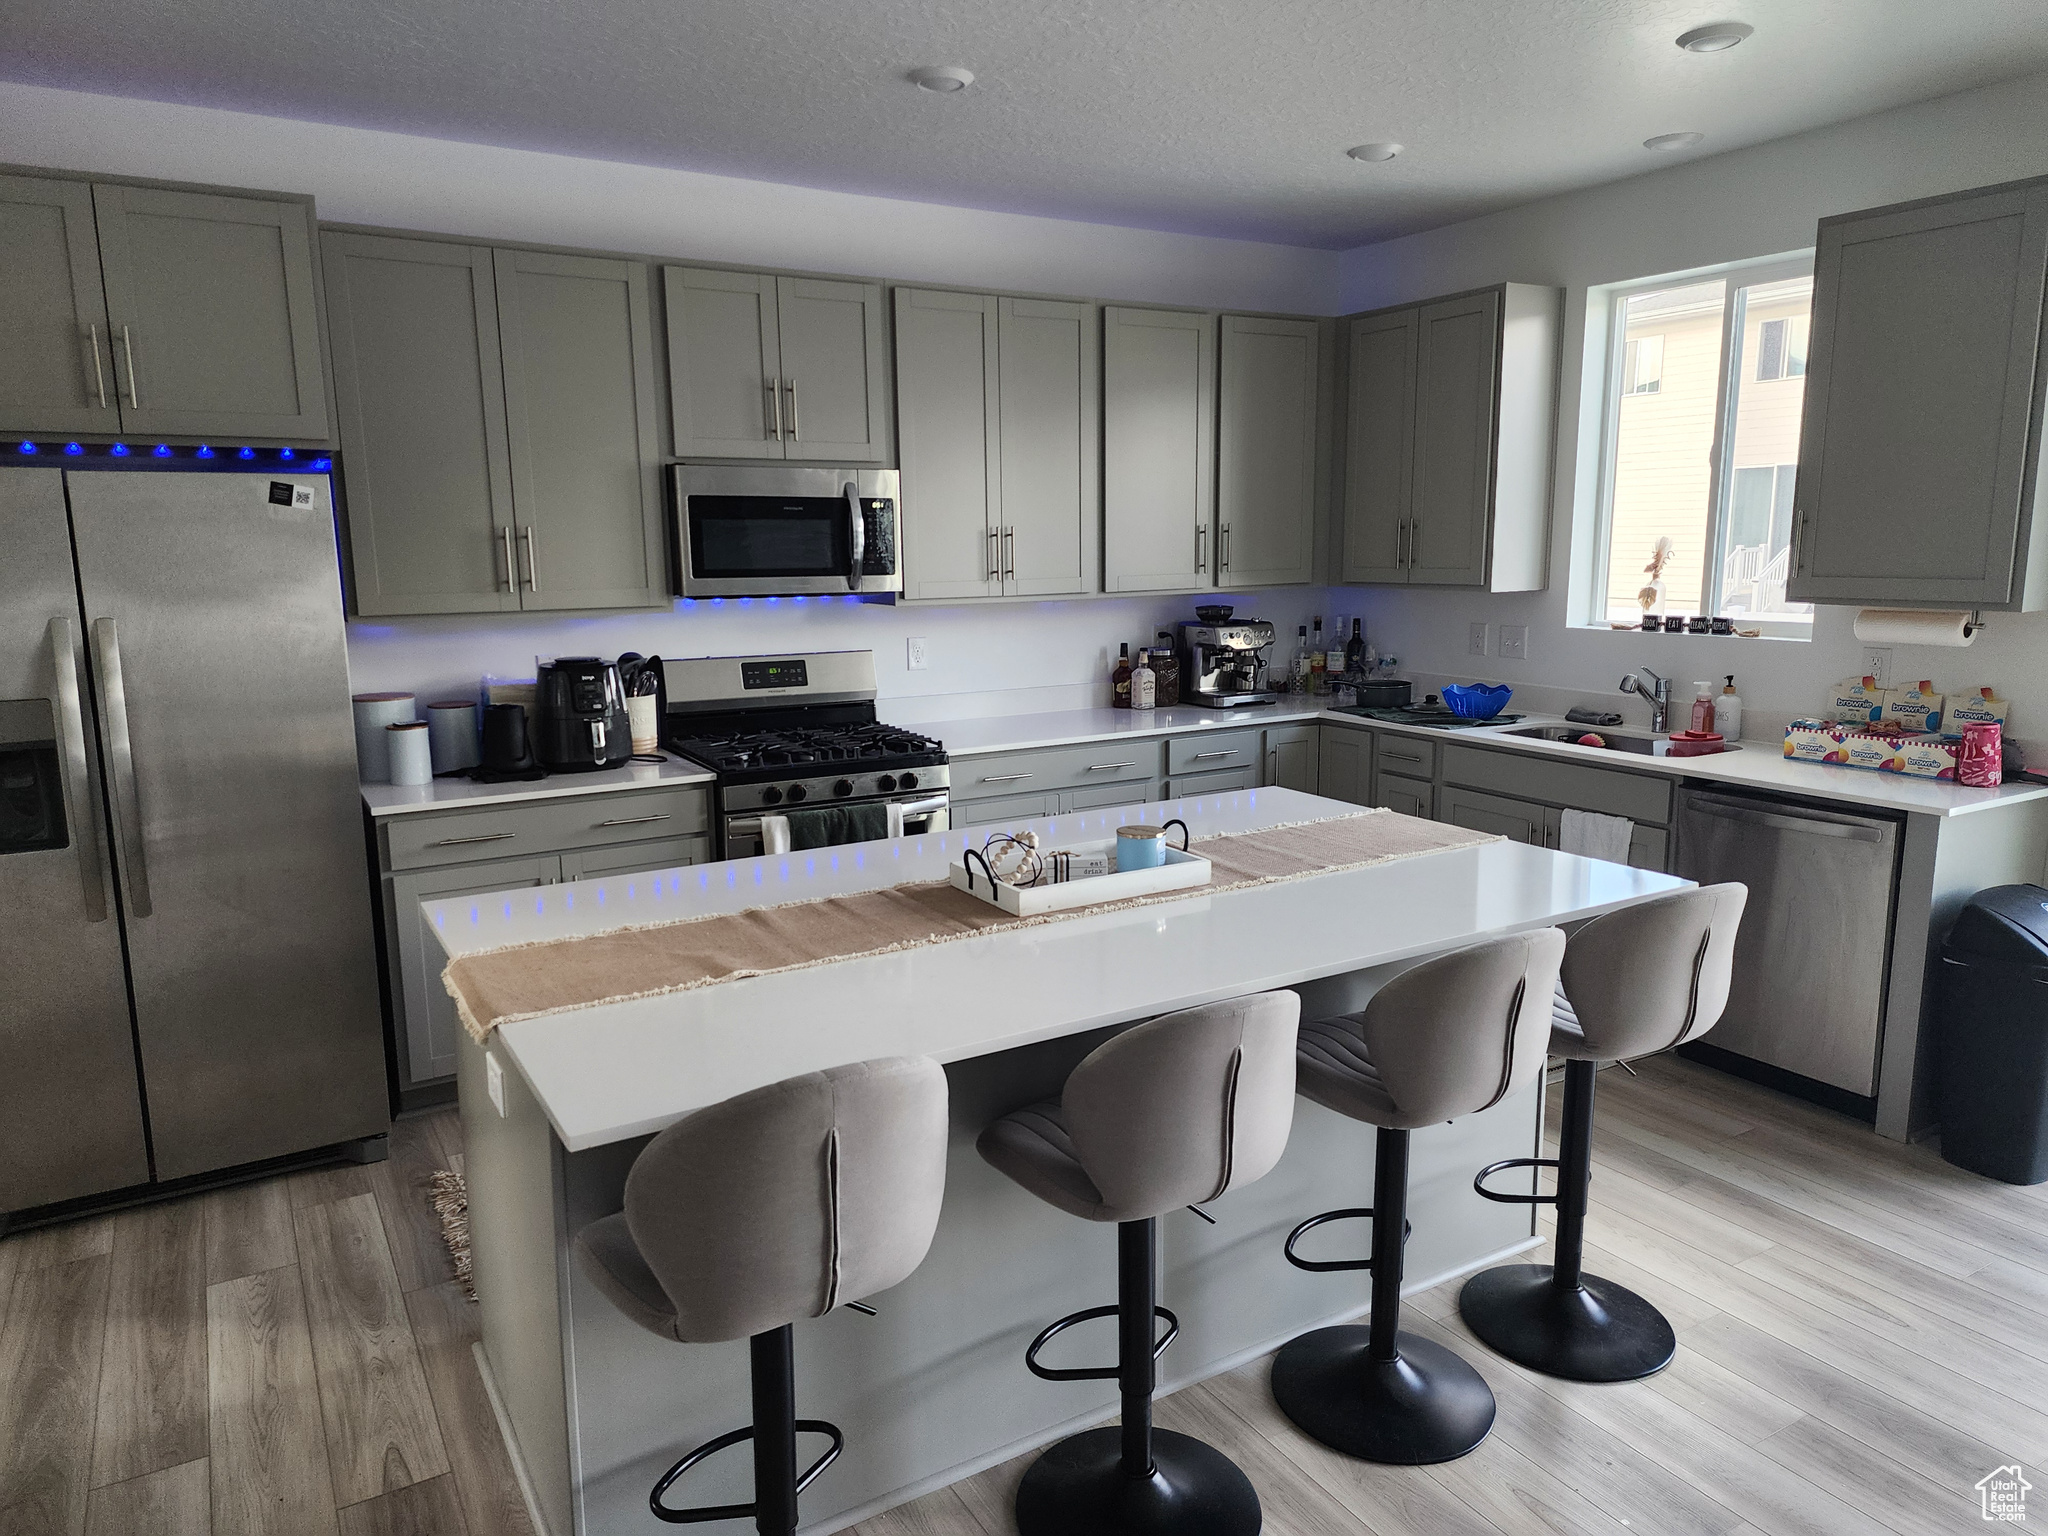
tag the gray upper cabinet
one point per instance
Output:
(1450, 418)
(577, 339)
(1266, 451)
(764, 367)
(419, 390)
(54, 364)
(1158, 449)
(211, 313)
(996, 404)
(1919, 474)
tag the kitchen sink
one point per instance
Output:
(1617, 738)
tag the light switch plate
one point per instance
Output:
(494, 1083)
(915, 653)
(1877, 663)
(1480, 634)
(1514, 642)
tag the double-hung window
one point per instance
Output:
(1706, 380)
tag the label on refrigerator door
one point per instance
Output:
(284, 494)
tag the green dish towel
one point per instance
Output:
(829, 825)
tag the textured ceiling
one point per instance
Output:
(1205, 116)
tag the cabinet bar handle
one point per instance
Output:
(532, 559)
(1201, 546)
(1223, 549)
(482, 837)
(794, 434)
(1003, 778)
(1199, 756)
(633, 821)
(1797, 560)
(995, 554)
(774, 388)
(99, 378)
(511, 560)
(1010, 553)
(128, 346)
(1103, 767)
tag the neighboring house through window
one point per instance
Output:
(1645, 374)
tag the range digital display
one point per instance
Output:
(774, 674)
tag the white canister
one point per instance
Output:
(375, 711)
(644, 723)
(451, 734)
(411, 760)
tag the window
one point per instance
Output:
(1701, 452)
(1645, 374)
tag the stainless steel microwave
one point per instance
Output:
(775, 530)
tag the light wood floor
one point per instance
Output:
(1863, 1335)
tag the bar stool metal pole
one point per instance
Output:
(1137, 1286)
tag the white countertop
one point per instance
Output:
(459, 794)
(626, 1069)
(1756, 765)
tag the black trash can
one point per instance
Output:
(1993, 1036)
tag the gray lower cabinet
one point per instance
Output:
(433, 856)
(500, 444)
(1522, 820)
(1524, 797)
(1192, 786)
(1000, 429)
(1451, 408)
(1919, 455)
(1269, 415)
(1344, 767)
(1411, 797)
(767, 367)
(996, 810)
(576, 334)
(1292, 757)
(153, 310)
(1158, 449)
(419, 389)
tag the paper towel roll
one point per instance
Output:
(374, 711)
(1913, 626)
(451, 732)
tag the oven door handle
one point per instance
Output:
(857, 527)
(900, 812)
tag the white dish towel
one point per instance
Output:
(1596, 836)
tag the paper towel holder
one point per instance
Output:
(1870, 625)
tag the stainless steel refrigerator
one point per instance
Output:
(188, 977)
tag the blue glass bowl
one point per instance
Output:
(1477, 701)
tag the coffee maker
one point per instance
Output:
(582, 709)
(1223, 665)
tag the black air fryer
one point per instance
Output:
(582, 709)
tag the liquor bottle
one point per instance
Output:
(1143, 682)
(1318, 659)
(1354, 650)
(1301, 658)
(1120, 679)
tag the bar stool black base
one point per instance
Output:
(1598, 1332)
(1079, 1488)
(1427, 1406)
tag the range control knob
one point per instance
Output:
(886, 782)
(843, 787)
(771, 796)
(797, 792)
(907, 781)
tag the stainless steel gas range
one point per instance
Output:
(795, 735)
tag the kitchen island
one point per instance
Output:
(934, 1388)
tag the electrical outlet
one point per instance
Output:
(1877, 663)
(494, 1083)
(916, 653)
(1514, 642)
(1477, 644)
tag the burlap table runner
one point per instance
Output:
(525, 981)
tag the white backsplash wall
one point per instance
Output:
(1748, 203)
(986, 659)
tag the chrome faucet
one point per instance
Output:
(1659, 696)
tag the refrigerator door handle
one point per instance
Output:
(85, 825)
(106, 644)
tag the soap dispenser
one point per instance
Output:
(1728, 712)
(1703, 707)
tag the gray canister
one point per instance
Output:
(451, 734)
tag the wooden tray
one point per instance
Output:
(1181, 871)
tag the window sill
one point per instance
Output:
(1800, 636)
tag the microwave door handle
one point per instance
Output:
(859, 540)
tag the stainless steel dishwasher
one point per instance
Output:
(1813, 961)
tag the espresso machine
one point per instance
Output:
(1223, 665)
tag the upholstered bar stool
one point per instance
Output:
(779, 1204)
(1174, 1112)
(1635, 982)
(1446, 1038)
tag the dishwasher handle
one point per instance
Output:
(1815, 824)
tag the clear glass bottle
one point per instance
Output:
(1318, 658)
(1144, 683)
(1298, 663)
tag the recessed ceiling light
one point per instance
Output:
(1715, 37)
(943, 78)
(1374, 152)
(1665, 141)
